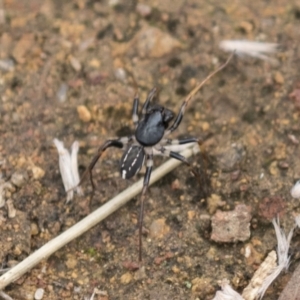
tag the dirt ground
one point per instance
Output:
(68, 70)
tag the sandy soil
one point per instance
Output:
(68, 70)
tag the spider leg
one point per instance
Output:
(175, 145)
(149, 166)
(203, 181)
(175, 155)
(148, 100)
(179, 142)
(135, 108)
(118, 143)
(177, 120)
(179, 117)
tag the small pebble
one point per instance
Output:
(23, 46)
(140, 274)
(39, 294)
(7, 65)
(203, 286)
(37, 172)
(158, 228)
(278, 77)
(77, 289)
(231, 226)
(71, 262)
(62, 93)
(17, 250)
(191, 214)
(120, 74)
(295, 96)
(18, 179)
(83, 113)
(234, 175)
(293, 139)
(75, 63)
(126, 278)
(253, 257)
(204, 222)
(143, 9)
(248, 251)
(283, 165)
(95, 63)
(205, 126)
(86, 44)
(231, 157)
(8, 186)
(213, 202)
(11, 209)
(271, 207)
(113, 2)
(152, 42)
(175, 184)
(273, 168)
(130, 265)
(34, 229)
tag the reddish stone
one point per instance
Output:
(271, 207)
(231, 226)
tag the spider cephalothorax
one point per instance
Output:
(151, 128)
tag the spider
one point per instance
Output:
(150, 138)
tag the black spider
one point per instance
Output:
(150, 138)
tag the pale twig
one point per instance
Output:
(88, 222)
(251, 291)
(4, 270)
(4, 296)
(271, 267)
(175, 148)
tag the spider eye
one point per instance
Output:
(132, 161)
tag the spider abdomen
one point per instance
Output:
(132, 161)
(151, 129)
